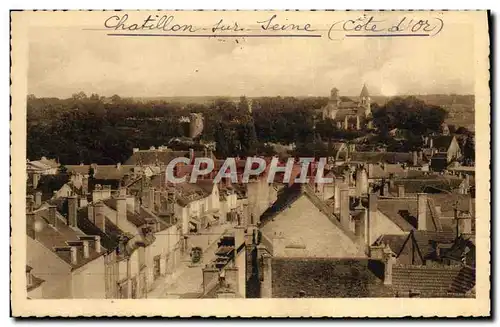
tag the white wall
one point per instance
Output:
(88, 281)
(49, 267)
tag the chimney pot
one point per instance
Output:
(38, 199)
(52, 215)
(97, 244)
(345, 219)
(72, 211)
(422, 211)
(99, 218)
(401, 191)
(74, 255)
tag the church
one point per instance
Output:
(349, 114)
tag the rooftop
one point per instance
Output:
(328, 278)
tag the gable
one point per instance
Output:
(308, 232)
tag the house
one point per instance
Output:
(381, 275)
(300, 224)
(70, 262)
(43, 166)
(144, 246)
(348, 114)
(427, 184)
(444, 150)
(161, 156)
(113, 176)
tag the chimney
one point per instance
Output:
(97, 244)
(372, 214)
(121, 210)
(464, 222)
(191, 155)
(74, 255)
(415, 158)
(385, 189)
(91, 215)
(370, 170)
(265, 268)
(422, 211)
(99, 217)
(36, 179)
(86, 249)
(431, 143)
(52, 216)
(151, 199)
(345, 219)
(336, 196)
(401, 191)
(38, 199)
(157, 200)
(467, 181)
(72, 211)
(85, 185)
(389, 261)
(30, 225)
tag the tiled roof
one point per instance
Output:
(432, 281)
(447, 201)
(402, 211)
(47, 184)
(395, 170)
(442, 142)
(382, 157)
(426, 241)
(427, 184)
(109, 237)
(157, 157)
(52, 237)
(327, 278)
(103, 172)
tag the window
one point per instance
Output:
(156, 267)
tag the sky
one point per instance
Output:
(63, 61)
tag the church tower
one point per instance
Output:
(334, 97)
(365, 100)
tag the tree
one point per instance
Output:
(470, 150)
(409, 113)
(243, 105)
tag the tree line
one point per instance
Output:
(105, 130)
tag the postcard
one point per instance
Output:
(250, 163)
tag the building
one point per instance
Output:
(225, 275)
(70, 262)
(349, 114)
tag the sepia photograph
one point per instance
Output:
(228, 156)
